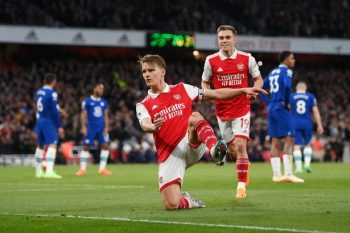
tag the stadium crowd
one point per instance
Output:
(124, 87)
(318, 18)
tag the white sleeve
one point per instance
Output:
(253, 67)
(289, 73)
(207, 72)
(192, 91)
(141, 112)
(83, 105)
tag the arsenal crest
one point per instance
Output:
(240, 66)
(177, 97)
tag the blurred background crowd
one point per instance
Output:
(22, 67)
(273, 18)
(124, 87)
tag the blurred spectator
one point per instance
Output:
(318, 148)
(334, 150)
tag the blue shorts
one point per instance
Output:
(281, 123)
(93, 134)
(46, 133)
(303, 136)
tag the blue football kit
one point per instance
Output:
(95, 108)
(48, 116)
(280, 120)
(302, 104)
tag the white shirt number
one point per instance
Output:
(39, 105)
(301, 107)
(274, 86)
(97, 111)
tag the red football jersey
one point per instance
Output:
(174, 105)
(230, 72)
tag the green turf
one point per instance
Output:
(322, 203)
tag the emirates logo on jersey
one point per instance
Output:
(177, 97)
(240, 66)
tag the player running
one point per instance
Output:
(180, 134)
(230, 68)
(280, 120)
(48, 127)
(94, 125)
(304, 105)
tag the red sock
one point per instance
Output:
(183, 203)
(242, 165)
(206, 134)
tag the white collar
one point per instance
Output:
(47, 87)
(302, 92)
(93, 98)
(154, 95)
(223, 57)
(282, 65)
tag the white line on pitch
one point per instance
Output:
(118, 219)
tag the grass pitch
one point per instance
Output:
(129, 201)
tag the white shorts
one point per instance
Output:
(238, 127)
(172, 170)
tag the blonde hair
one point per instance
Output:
(152, 58)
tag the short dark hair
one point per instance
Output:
(227, 27)
(283, 55)
(95, 85)
(49, 78)
(152, 58)
(98, 83)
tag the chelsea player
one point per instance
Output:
(48, 126)
(304, 105)
(280, 120)
(94, 125)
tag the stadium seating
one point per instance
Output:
(274, 18)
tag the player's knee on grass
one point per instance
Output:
(171, 203)
(171, 197)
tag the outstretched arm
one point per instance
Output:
(228, 93)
